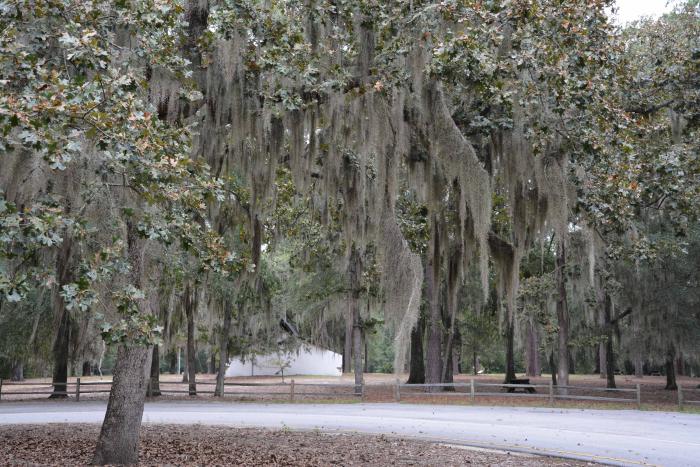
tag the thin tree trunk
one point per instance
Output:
(671, 368)
(416, 373)
(609, 349)
(190, 308)
(154, 383)
(61, 344)
(212, 361)
(119, 437)
(60, 355)
(357, 349)
(510, 354)
(475, 360)
(355, 277)
(223, 350)
(553, 367)
(562, 319)
(172, 362)
(347, 343)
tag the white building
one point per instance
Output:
(307, 360)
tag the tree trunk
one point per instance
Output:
(17, 371)
(212, 362)
(172, 362)
(448, 376)
(347, 343)
(609, 349)
(510, 354)
(154, 382)
(119, 437)
(355, 283)
(223, 351)
(671, 368)
(416, 373)
(553, 367)
(60, 354)
(87, 368)
(475, 363)
(532, 350)
(562, 319)
(433, 358)
(190, 308)
(357, 350)
(61, 344)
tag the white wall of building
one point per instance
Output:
(308, 360)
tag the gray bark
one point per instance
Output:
(609, 349)
(119, 437)
(347, 343)
(532, 350)
(190, 308)
(223, 350)
(562, 320)
(355, 276)
(62, 320)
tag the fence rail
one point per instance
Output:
(683, 397)
(471, 390)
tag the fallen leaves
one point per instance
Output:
(63, 444)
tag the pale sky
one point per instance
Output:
(630, 10)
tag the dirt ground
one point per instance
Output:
(381, 388)
(198, 445)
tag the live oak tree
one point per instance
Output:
(395, 162)
(76, 111)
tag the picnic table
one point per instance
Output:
(524, 381)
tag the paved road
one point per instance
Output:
(621, 437)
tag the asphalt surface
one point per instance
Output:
(619, 437)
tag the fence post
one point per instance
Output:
(639, 397)
(291, 392)
(471, 390)
(0, 388)
(397, 391)
(680, 397)
(77, 390)
(551, 393)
